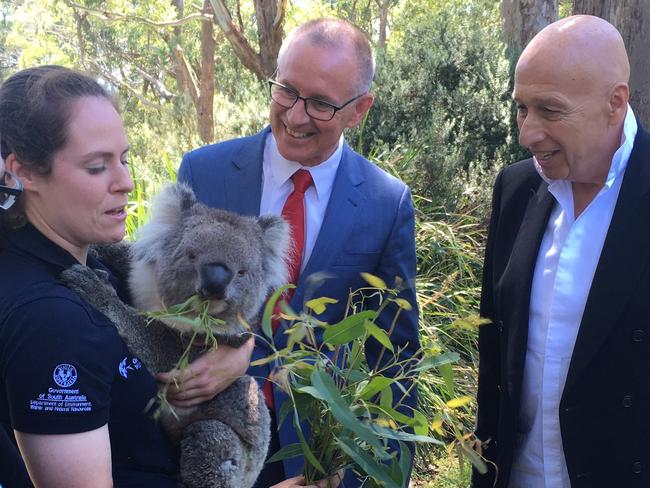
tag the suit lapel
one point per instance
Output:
(244, 177)
(621, 261)
(338, 221)
(517, 282)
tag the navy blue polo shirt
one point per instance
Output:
(64, 369)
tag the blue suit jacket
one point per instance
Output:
(368, 226)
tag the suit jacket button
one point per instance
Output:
(637, 467)
(638, 335)
(500, 326)
(627, 401)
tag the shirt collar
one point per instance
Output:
(620, 158)
(323, 173)
(29, 240)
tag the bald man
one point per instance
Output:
(564, 378)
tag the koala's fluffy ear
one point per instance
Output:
(167, 209)
(275, 237)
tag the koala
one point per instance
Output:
(232, 263)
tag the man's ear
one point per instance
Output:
(361, 107)
(22, 171)
(617, 104)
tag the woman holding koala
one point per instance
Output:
(70, 390)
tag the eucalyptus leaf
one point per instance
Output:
(404, 457)
(421, 426)
(309, 456)
(348, 329)
(310, 390)
(377, 384)
(436, 361)
(374, 281)
(403, 436)
(371, 467)
(267, 328)
(448, 375)
(266, 360)
(380, 334)
(459, 401)
(340, 409)
(287, 452)
(318, 305)
(474, 458)
(403, 303)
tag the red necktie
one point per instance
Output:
(294, 213)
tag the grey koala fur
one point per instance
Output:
(234, 262)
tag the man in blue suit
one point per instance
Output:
(357, 217)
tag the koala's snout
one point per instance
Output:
(213, 280)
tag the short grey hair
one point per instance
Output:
(338, 33)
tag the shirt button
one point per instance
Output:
(638, 335)
(637, 467)
(627, 401)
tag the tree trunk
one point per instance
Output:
(269, 15)
(270, 19)
(384, 6)
(523, 19)
(205, 107)
(201, 90)
(632, 19)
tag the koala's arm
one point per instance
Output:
(95, 288)
(117, 258)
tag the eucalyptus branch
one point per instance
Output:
(108, 16)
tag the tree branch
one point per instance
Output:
(107, 16)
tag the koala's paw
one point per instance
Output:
(91, 285)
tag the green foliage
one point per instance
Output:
(441, 90)
(352, 409)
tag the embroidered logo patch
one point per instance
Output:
(65, 375)
(126, 366)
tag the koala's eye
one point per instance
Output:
(242, 272)
(191, 256)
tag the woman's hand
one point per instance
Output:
(207, 375)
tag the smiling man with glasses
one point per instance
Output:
(347, 216)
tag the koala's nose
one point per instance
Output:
(213, 280)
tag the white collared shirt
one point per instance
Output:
(277, 186)
(564, 270)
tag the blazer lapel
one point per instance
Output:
(517, 282)
(244, 178)
(338, 221)
(621, 261)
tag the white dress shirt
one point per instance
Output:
(564, 270)
(277, 186)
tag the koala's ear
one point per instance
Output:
(275, 237)
(166, 212)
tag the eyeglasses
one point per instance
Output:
(10, 188)
(315, 108)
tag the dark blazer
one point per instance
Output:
(368, 226)
(605, 406)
